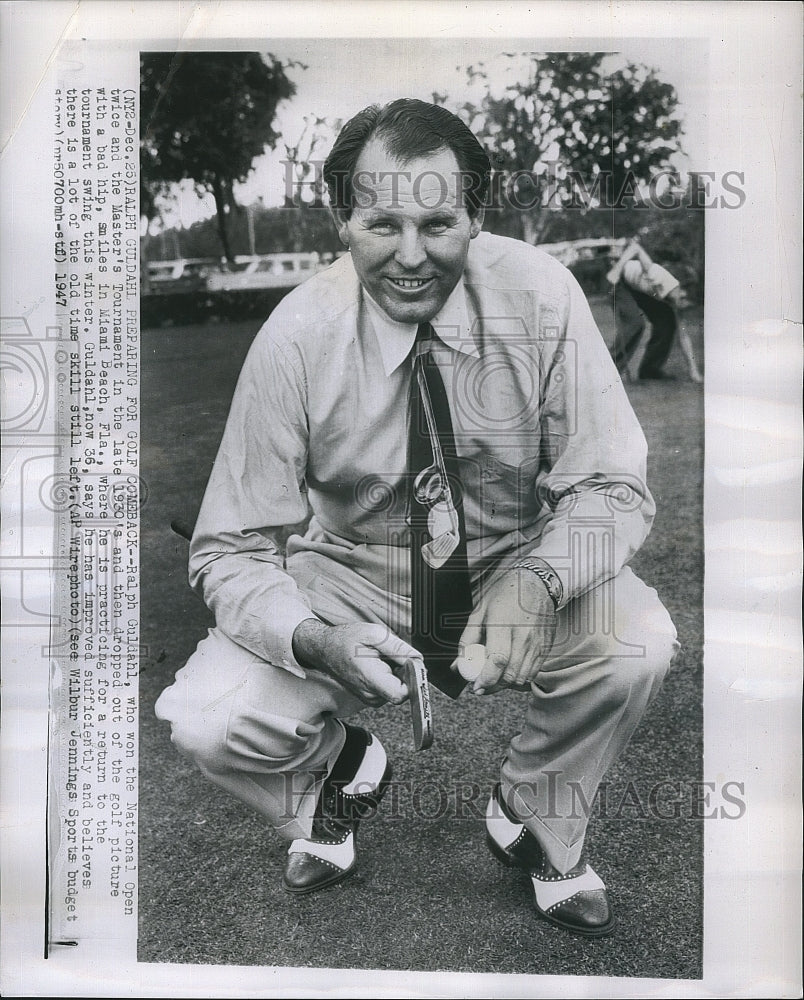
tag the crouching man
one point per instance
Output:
(444, 403)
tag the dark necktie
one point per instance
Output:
(441, 594)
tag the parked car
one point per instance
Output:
(273, 270)
(589, 259)
(169, 277)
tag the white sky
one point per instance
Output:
(346, 74)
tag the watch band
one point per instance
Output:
(546, 574)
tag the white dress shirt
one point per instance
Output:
(551, 455)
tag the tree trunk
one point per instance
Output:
(221, 217)
(534, 224)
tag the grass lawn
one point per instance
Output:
(428, 895)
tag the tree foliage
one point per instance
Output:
(205, 117)
(300, 228)
(559, 126)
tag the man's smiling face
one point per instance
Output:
(409, 230)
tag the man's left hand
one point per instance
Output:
(516, 621)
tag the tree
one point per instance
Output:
(561, 132)
(276, 230)
(304, 174)
(206, 116)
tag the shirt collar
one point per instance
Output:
(395, 339)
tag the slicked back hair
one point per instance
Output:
(409, 129)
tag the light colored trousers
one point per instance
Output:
(269, 737)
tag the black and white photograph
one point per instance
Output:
(423, 610)
(540, 826)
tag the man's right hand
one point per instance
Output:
(358, 655)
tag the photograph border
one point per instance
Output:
(751, 492)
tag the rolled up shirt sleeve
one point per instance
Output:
(597, 509)
(255, 490)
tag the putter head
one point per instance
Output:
(436, 552)
(421, 714)
(445, 533)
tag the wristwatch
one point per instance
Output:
(546, 574)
